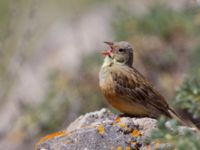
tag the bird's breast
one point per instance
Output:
(112, 93)
(103, 76)
(106, 82)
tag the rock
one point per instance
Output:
(101, 130)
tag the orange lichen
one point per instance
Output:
(119, 148)
(101, 129)
(123, 125)
(128, 148)
(117, 120)
(136, 133)
(50, 136)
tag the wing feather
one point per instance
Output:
(132, 86)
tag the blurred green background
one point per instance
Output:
(49, 57)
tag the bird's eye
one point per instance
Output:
(121, 50)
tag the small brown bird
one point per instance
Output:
(126, 89)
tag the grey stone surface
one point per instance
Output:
(101, 130)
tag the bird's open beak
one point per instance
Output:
(109, 43)
(108, 52)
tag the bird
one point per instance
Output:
(126, 89)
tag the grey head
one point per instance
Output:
(119, 53)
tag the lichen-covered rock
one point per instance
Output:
(101, 130)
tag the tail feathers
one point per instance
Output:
(184, 122)
(175, 115)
